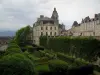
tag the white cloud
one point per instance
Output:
(18, 13)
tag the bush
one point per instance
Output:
(13, 50)
(16, 64)
(58, 66)
(42, 69)
(81, 62)
(13, 45)
(83, 70)
(73, 62)
(66, 58)
(31, 56)
(29, 48)
(83, 47)
(97, 68)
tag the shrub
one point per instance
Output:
(81, 62)
(29, 48)
(13, 50)
(66, 58)
(83, 47)
(97, 68)
(31, 56)
(16, 64)
(42, 69)
(83, 70)
(58, 66)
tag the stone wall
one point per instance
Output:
(87, 29)
(43, 30)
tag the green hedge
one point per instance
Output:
(73, 62)
(16, 64)
(58, 65)
(83, 47)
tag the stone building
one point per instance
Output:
(87, 27)
(45, 26)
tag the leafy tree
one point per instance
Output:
(21, 34)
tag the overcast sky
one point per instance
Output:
(15, 14)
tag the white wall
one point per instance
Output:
(87, 29)
(37, 31)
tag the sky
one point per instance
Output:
(15, 14)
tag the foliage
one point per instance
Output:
(13, 48)
(83, 47)
(51, 56)
(21, 35)
(73, 62)
(30, 48)
(16, 64)
(31, 56)
(42, 68)
(58, 65)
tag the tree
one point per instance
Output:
(21, 34)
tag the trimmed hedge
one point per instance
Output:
(58, 67)
(83, 47)
(71, 60)
(16, 64)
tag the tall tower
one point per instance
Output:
(55, 16)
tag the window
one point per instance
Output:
(46, 28)
(50, 28)
(55, 33)
(41, 28)
(41, 33)
(55, 28)
(97, 19)
(46, 33)
(51, 33)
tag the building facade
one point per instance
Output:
(45, 26)
(87, 27)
